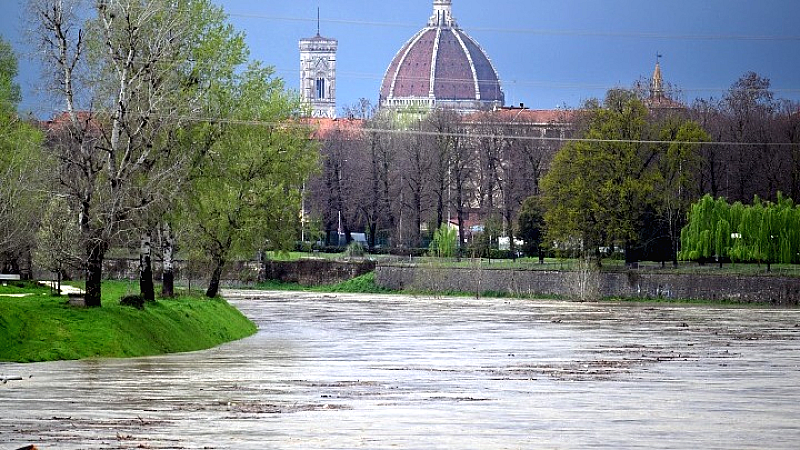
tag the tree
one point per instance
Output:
(414, 165)
(23, 168)
(596, 188)
(245, 193)
(9, 89)
(677, 182)
(129, 78)
(601, 190)
(531, 227)
(444, 242)
(57, 240)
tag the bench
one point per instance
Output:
(9, 277)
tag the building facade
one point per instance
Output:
(318, 75)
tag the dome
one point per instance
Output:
(441, 66)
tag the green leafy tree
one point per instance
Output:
(9, 89)
(531, 227)
(23, 168)
(245, 193)
(445, 241)
(131, 77)
(677, 181)
(596, 188)
(601, 191)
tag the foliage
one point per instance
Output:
(531, 226)
(445, 242)
(355, 250)
(364, 284)
(9, 89)
(245, 192)
(57, 239)
(762, 232)
(131, 77)
(23, 167)
(45, 328)
(599, 189)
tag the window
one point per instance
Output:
(320, 88)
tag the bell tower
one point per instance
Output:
(318, 74)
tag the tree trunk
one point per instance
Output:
(94, 272)
(213, 285)
(146, 269)
(167, 251)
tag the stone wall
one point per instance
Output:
(631, 284)
(312, 272)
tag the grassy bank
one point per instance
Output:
(364, 284)
(41, 327)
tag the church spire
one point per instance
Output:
(442, 14)
(657, 83)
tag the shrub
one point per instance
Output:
(355, 249)
(135, 301)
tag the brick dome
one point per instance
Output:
(441, 66)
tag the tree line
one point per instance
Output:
(617, 174)
(170, 138)
(393, 175)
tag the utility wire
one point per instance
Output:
(299, 124)
(540, 32)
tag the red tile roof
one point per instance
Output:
(327, 128)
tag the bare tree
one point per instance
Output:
(445, 124)
(128, 78)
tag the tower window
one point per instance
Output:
(320, 88)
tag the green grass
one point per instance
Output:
(364, 284)
(47, 328)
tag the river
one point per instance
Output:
(342, 371)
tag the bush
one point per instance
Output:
(135, 301)
(355, 250)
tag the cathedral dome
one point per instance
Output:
(441, 66)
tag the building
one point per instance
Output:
(318, 75)
(660, 98)
(441, 66)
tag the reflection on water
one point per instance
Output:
(350, 371)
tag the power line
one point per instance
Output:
(295, 124)
(540, 32)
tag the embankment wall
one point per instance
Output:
(631, 284)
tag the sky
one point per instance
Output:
(548, 54)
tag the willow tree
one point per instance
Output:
(763, 232)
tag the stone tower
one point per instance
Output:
(318, 74)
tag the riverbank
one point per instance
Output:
(42, 327)
(590, 285)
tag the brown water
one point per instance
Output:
(392, 372)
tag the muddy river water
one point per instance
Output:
(338, 371)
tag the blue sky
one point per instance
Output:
(547, 53)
